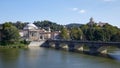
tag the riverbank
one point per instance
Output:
(18, 45)
(13, 46)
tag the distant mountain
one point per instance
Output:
(73, 25)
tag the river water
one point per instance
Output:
(51, 58)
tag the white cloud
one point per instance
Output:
(79, 10)
(82, 11)
(75, 9)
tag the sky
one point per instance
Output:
(60, 11)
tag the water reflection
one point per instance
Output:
(51, 58)
(8, 57)
(115, 55)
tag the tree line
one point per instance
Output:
(41, 24)
(106, 33)
(9, 35)
(9, 31)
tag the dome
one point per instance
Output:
(30, 26)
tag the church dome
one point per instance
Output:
(31, 26)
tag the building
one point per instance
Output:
(91, 22)
(101, 24)
(33, 33)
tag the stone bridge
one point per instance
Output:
(94, 47)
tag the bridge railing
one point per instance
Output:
(87, 42)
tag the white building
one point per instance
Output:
(33, 33)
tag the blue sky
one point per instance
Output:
(60, 11)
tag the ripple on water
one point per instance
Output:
(115, 55)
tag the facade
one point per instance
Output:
(101, 24)
(33, 33)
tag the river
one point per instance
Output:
(51, 58)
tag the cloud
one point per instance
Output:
(82, 11)
(75, 9)
(79, 10)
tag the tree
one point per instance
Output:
(99, 34)
(46, 23)
(90, 34)
(116, 37)
(109, 31)
(10, 34)
(84, 29)
(19, 25)
(64, 34)
(76, 34)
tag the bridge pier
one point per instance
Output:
(52, 45)
(103, 49)
(64, 46)
(96, 49)
(79, 47)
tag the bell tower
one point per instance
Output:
(91, 22)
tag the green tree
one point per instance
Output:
(84, 29)
(10, 34)
(64, 34)
(19, 25)
(76, 34)
(109, 31)
(46, 23)
(116, 37)
(90, 34)
(99, 34)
